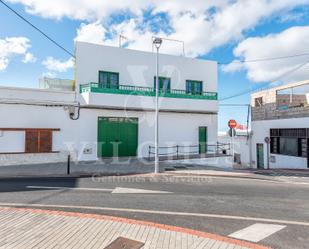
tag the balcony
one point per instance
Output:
(138, 97)
(146, 91)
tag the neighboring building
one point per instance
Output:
(111, 113)
(56, 84)
(242, 146)
(281, 114)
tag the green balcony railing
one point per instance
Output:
(146, 91)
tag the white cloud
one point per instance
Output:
(29, 58)
(11, 47)
(201, 24)
(292, 17)
(81, 9)
(235, 66)
(93, 33)
(59, 66)
(294, 40)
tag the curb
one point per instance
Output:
(73, 175)
(144, 223)
(223, 176)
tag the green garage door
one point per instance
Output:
(117, 137)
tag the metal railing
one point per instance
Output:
(183, 150)
(146, 91)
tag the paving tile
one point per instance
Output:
(26, 228)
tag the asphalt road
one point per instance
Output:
(213, 204)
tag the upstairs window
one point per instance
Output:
(194, 87)
(258, 101)
(108, 79)
(164, 84)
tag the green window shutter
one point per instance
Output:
(164, 84)
(103, 79)
(108, 79)
(194, 87)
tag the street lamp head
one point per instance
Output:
(157, 42)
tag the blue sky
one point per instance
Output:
(268, 29)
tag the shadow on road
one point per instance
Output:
(25, 183)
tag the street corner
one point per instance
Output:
(48, 228)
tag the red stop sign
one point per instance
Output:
(232, 124)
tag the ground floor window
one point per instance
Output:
(303, 147)
(288, 146)
(290, 142)
(38, 141)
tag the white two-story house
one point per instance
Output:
(110, 112)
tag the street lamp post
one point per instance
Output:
(157, 42)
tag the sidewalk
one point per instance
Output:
(32, 228)
(78, 169)
(280, 175)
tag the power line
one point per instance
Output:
(278, 78)
(71, 54)
(243, 105)
(264, 59)
(36, 28)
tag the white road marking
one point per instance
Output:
(145, 211)
(67, 188)
(137, 191)
(117, 190)
(256, 232)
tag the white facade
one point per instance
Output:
(261, 130)
(284, 109)
(242, 146)
(180, 118)
(138, 68)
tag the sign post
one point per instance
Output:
(232, 124)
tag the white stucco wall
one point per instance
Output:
(25, 116)
(19, 94)
(12, 141)
(138, 68)
(241, 146)
(261, 130)
(135, 68)
(175, 128)
(148, 103)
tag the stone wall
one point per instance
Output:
(29, 158)
(270, 111)
(279, 106)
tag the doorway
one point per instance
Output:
(260, 156)
(117, 137)
(202, 139)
